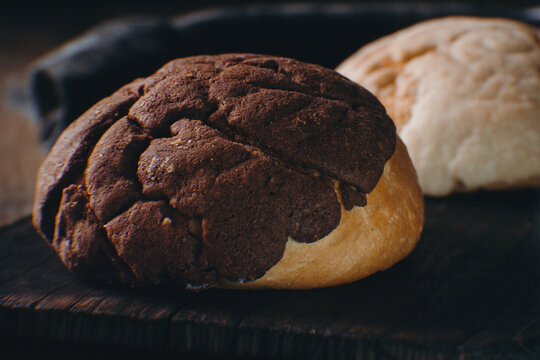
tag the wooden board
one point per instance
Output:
(470, 290)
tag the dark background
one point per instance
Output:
(68, 18)
(30, 23)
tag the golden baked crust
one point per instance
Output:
(464, 93)
(368, 239)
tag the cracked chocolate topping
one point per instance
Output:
(206, 168)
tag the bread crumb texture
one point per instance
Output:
(464, 93)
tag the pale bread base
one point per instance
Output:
(464, 93)
(368, 239)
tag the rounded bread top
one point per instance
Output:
(464, 93)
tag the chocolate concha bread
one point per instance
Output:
(234, 170)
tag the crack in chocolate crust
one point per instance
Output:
(154, 241)
(111, 180)
(81, 241)
(67, 159)
(204, 169)
(271, 120)
(75, 222)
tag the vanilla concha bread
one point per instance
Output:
(235, 170)
(464, 93)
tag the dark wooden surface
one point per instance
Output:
(470, 290)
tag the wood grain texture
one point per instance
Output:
(470, 290)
